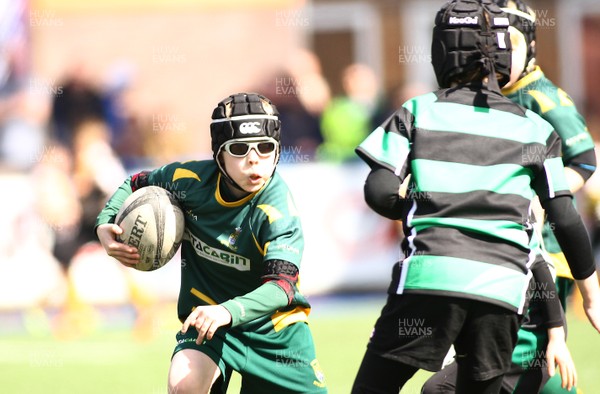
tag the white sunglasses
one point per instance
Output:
(241, 147)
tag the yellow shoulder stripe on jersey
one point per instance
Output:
(272, 213)
(533, 76)
(181, 173)
(203, 297)
(281, 320)
(564, 98)
(545, 102)
(561, 265)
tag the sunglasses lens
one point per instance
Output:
(239, 149)
(266, 147)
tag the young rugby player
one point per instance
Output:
(466, 213)
(239, 302)
(529, 87)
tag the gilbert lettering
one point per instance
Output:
(137, 231)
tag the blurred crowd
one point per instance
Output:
(66, 145)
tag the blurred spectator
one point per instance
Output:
(20, 137)
(14, 41)
(96, 172)
(126, 128)
(23, 130)
(397, 96)
(79, 100)
(30, 277)
(347, 120)
(302, 134)
(300, 92)
(313, 89)
(132, 144)
(73, 186)
(118, 80)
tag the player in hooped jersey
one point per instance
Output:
(466, 213)
(529, 87)
(239, 301)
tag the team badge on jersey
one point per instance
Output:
(191, 214)
(320, 381)
(231, 240)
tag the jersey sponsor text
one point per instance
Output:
(218, 256)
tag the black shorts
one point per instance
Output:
(418, 330)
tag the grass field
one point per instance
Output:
(116, 358)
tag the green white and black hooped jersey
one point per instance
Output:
(226, 243)
(474, 171)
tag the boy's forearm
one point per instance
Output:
(556, 334)
(264, 300)
(590, 289)
(574, 179)
(107, 215)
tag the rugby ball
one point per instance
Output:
(153, 222)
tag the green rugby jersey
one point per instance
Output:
(474, 171)
(539, 94)
(226, 243)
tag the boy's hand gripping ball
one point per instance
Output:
(152, 221)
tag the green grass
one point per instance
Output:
(109, 360)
